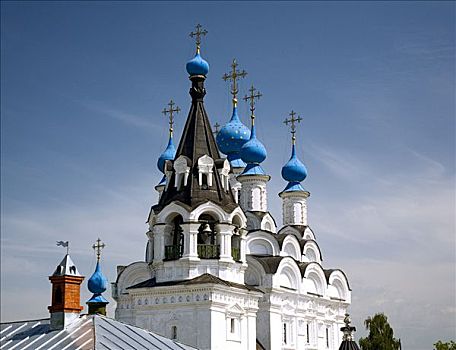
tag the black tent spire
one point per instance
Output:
(197, 140)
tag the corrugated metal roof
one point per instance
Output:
(86, 333)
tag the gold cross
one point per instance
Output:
(293, 122)
(216, 126)
(198, 33)
(98, 247)
(252, 98)
(170, 111)
(233, 76)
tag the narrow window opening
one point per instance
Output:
(327, 337)
(58, 295)
(179, 179)
(307, 333)
(204, 181)
(174, 332)
(232, 325)
(284, 334)
(178, 237)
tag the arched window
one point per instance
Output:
(175, 249)
(207, 238)
(236, 247)
(206, 231)
(178, 234)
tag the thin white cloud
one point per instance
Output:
(401, 229)
(122, 116)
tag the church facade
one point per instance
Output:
(218, 272)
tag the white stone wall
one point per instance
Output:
(201, 314)
(296, 312)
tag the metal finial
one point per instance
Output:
(347, 320)
(98, 246)
(198, 33)
(252, 98)
(293, 122)
(348, 330)
(233, 76)
(170, 111)
(216, 126)
(65, 244)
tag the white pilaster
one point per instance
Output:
(159, 242)
(150, 246)
(243, 246)
(225, 231)
(190, 231)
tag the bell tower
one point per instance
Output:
(191, 286)
(197, 226)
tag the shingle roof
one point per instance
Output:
(205, 278)
(89, 332)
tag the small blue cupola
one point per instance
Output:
(294, 171)
(97, 284)
(234, 134)
(168, 154)
(253, 153)
(170, 151)
(197, 65)
(231, 137)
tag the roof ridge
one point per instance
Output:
(22, 321)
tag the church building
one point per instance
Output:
(219, 272)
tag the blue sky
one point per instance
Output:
(83, 84)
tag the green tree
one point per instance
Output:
(451, 345)
(380, 336)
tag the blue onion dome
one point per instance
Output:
(253, 150)
(233, 135)
(294, 170)
(97, 283)
(197, 66)
(168, 154)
